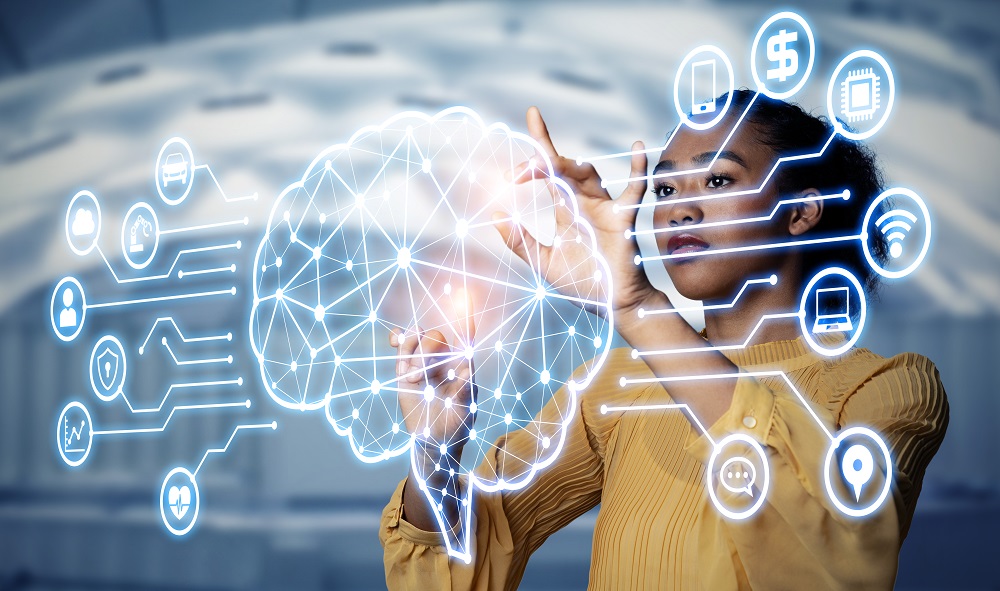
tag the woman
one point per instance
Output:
(657, 527)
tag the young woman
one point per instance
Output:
(657, 528)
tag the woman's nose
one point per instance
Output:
(684, 214)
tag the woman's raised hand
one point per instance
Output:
(574, 263)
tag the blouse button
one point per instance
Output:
(749, 422)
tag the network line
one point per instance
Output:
(237, 245)
(208, 169)
(228, 359)
(711, 251)
(636, 353)
(273, 425)
(182, 296)
(845, 195)
(230, 269)
(605, 409)
(243, 222)
(773, 280)
(170, 319)
(163, 402)
(746, 374)
(244, 404)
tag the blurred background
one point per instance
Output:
(91, 89)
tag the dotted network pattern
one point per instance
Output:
(394, 229)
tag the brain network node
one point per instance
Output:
(395, 229)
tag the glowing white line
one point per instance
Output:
(605, 409)
(245, 404)
(699, 253)
(166, 346)
(636, 353)
(170, 319)
(229, 269)
(773, 280)
(237, 245)
(223, 193)
(243, 222)
(183, 296)
(720, 376)
(273, 425)
(633, 152)
(238, 382)
(842, 195)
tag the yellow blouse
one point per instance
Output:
(657, 528)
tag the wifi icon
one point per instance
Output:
(894, 226)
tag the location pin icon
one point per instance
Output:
(858, 466)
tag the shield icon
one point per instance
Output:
(107, 368)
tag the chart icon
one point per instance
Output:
(74, 434)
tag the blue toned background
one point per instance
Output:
(90, 89)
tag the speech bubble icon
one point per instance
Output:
(858, 466)
(738, 475)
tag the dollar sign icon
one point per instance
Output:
(786, 57)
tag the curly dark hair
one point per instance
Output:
(789, 130)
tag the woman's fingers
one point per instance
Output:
(517, 239)
(539, 132)
(633, 193)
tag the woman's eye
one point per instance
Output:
(664, 191)
(718, 181)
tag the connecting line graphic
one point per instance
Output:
(273, 425)
(605, 409)
(722, 376)
(243, 222)
(773, 280)
(636, 353)
(244, 404)
(170, 319)
(237, 245)
(228, 359)
(700, 253)
(845, 195)
(182, 296)
(163, 402)
(208, 169)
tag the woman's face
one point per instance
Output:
(742, 166)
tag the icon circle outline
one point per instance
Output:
(59, 436)
(841, 436)
(862, 317)
(743, 438)
(838, 126)
(159, 163)
(69, 223)
(156, 236)
(83, 308)
(685, 119)
(761, 87)
(927, 233)
(195, 501)
(116, 390)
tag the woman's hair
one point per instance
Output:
(845, 164)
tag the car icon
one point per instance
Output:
(175, 168)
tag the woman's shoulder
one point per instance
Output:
(902, 376)
(607, 389)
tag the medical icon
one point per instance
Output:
(833, 310)
(786, 57)
(140, 235)
(697, 78)
(174, 172)
(175, 168)
(856, 484)
(108, 365)
(858, 466)
(74, 434)
(743, 473)
(781, 51)
(179, 501)
(83, 222)
(861, 92)
(703, 80)
(859, 95)
(738, 475)
(68, 309)
(832, 302)
(906, 226)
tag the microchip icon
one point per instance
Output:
(859, 95)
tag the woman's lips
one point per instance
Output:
(683, 243)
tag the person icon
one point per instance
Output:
(67, 317)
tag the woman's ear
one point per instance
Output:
(805, 215)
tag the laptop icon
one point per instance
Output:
(833, 310)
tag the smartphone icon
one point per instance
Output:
(703, 72)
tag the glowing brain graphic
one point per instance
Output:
(387, 231)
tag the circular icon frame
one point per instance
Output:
(195, 501)
(119, 383)
(83, 308)
(761, 86)
(141, 264)
(837, 125)
(70, 222)
(157, 171)
(841, 436)
(59, 434)
(923, 248)
(862, 317)
(685, 119)
(710, 471)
